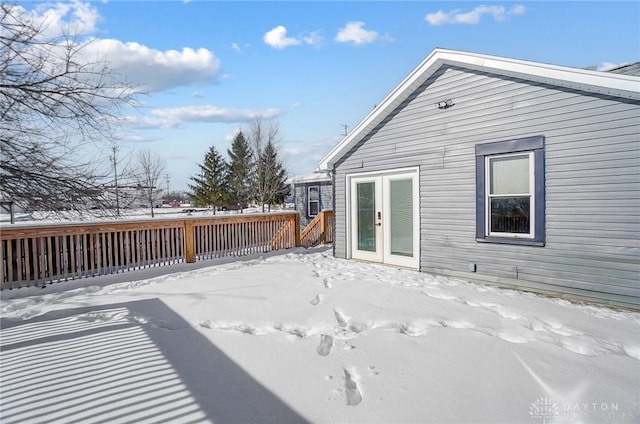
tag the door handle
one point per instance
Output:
(379, 219)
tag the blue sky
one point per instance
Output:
(208, 67)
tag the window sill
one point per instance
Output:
(509, 240)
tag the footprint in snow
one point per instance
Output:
(326, 343)
(343, 321)
(352, 389)
(316, 300)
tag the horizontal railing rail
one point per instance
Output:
(319, 230)
(40, 255)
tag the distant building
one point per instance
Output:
(312, 193)
(131, 196)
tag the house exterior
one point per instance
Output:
(312, 193)
(503, 171)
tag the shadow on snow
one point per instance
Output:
(127, 362)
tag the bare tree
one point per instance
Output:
(269, 174)
(56, 106)
(121, 175)
(151, 168)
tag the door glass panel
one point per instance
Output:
(401, 218)
(366, 216)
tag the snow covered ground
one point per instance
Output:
(70, 217)
(51, 217)
(302, 336)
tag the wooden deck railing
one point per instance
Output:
(242, 235)
(320, 230)
(39, 255)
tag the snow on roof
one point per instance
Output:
(314, 177)
(607, 83)
(628, 69)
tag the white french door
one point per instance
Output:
(384, 218)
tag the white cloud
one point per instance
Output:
(518, 9)
(208, 113)
(175, 117)
(277, 38)
(153, 70)
(456, 16)
(138, 139)
(305, 155)
(57, 19)
(144, 68)
(148, 123)
(438, 18)
(313, 39)
(238, 48)
(355, 33)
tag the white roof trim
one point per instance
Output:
(607, 83)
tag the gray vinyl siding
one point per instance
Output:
(301, 199)
(592, 177)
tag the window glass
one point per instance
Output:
(313, 208)
(366, 216)
(314, 194)
(401, 209)
(314, 201)
(509, 175)
(510, 215)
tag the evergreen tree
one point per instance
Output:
(210, 187)
(240, 171)
(271, 188)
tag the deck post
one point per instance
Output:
(2, 265)
(189, 242)
(297, 230)
(323, 228)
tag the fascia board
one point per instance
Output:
(618, 85)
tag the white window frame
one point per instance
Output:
(530, 195)
(309, 201)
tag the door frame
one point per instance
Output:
(384, 176)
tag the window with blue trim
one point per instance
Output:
(313, 196)
(510, 192)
